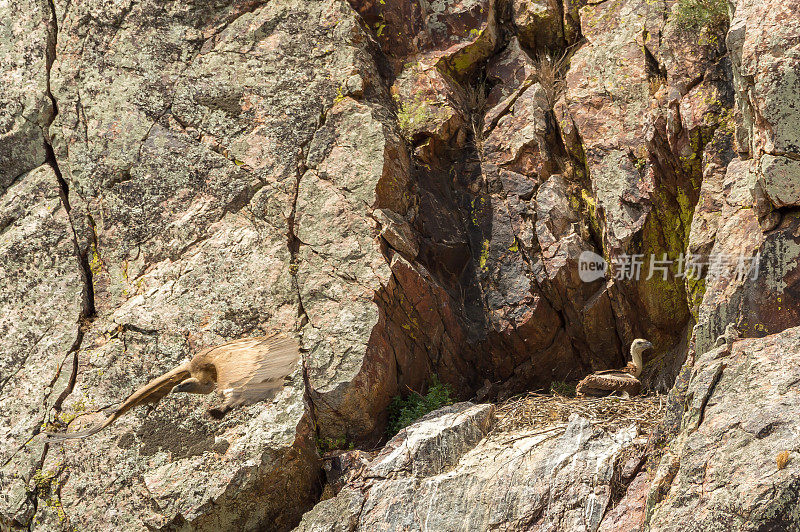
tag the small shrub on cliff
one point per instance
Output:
(549, 70)
(476, 104)
(782, 459)
(332, 444)
(404, 412)
(562, 388)
(697, 14)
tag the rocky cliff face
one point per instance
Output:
(407, 187)
(450, 471)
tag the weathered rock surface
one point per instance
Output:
(203, 159)
(644, 130)
(449, 472)
(41, 302)
(458, 32)
(26, 51)
(763, 40)
(721, 466)
(173, 470)
(748, 213)
(356, 163)
(538, 22)
(722, 470)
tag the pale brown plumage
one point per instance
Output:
(625, 380)
(600, 383)
(242, 371)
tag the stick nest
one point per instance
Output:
(535, 411)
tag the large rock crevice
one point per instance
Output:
(462, 203)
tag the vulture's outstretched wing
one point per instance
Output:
(254, 369)
(248, 370)
(152, 392)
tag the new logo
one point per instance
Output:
(591, 266)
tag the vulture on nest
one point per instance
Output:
(625, 380)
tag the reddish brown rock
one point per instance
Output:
(628, 514)
(539, 23)
(645, 180)
(461, 31)
(506, 71)
(427, 104)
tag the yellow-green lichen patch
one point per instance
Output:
(65, 417)
(413, 114)
(42, 480)
(588, 211)
(727, 122)
(128, 288)
(46, 488)
(591, 208)
(477, 205)
(339, 95)
(484, 255)
(96, 262)
(695, 290)
(465, 59)
(664, 238)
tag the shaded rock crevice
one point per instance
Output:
(449, 167)
(88, 310)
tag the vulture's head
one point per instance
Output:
(641, 345)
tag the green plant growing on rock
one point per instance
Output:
(698, 14)
(404, 412)
(562, 388)
(331, 444)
